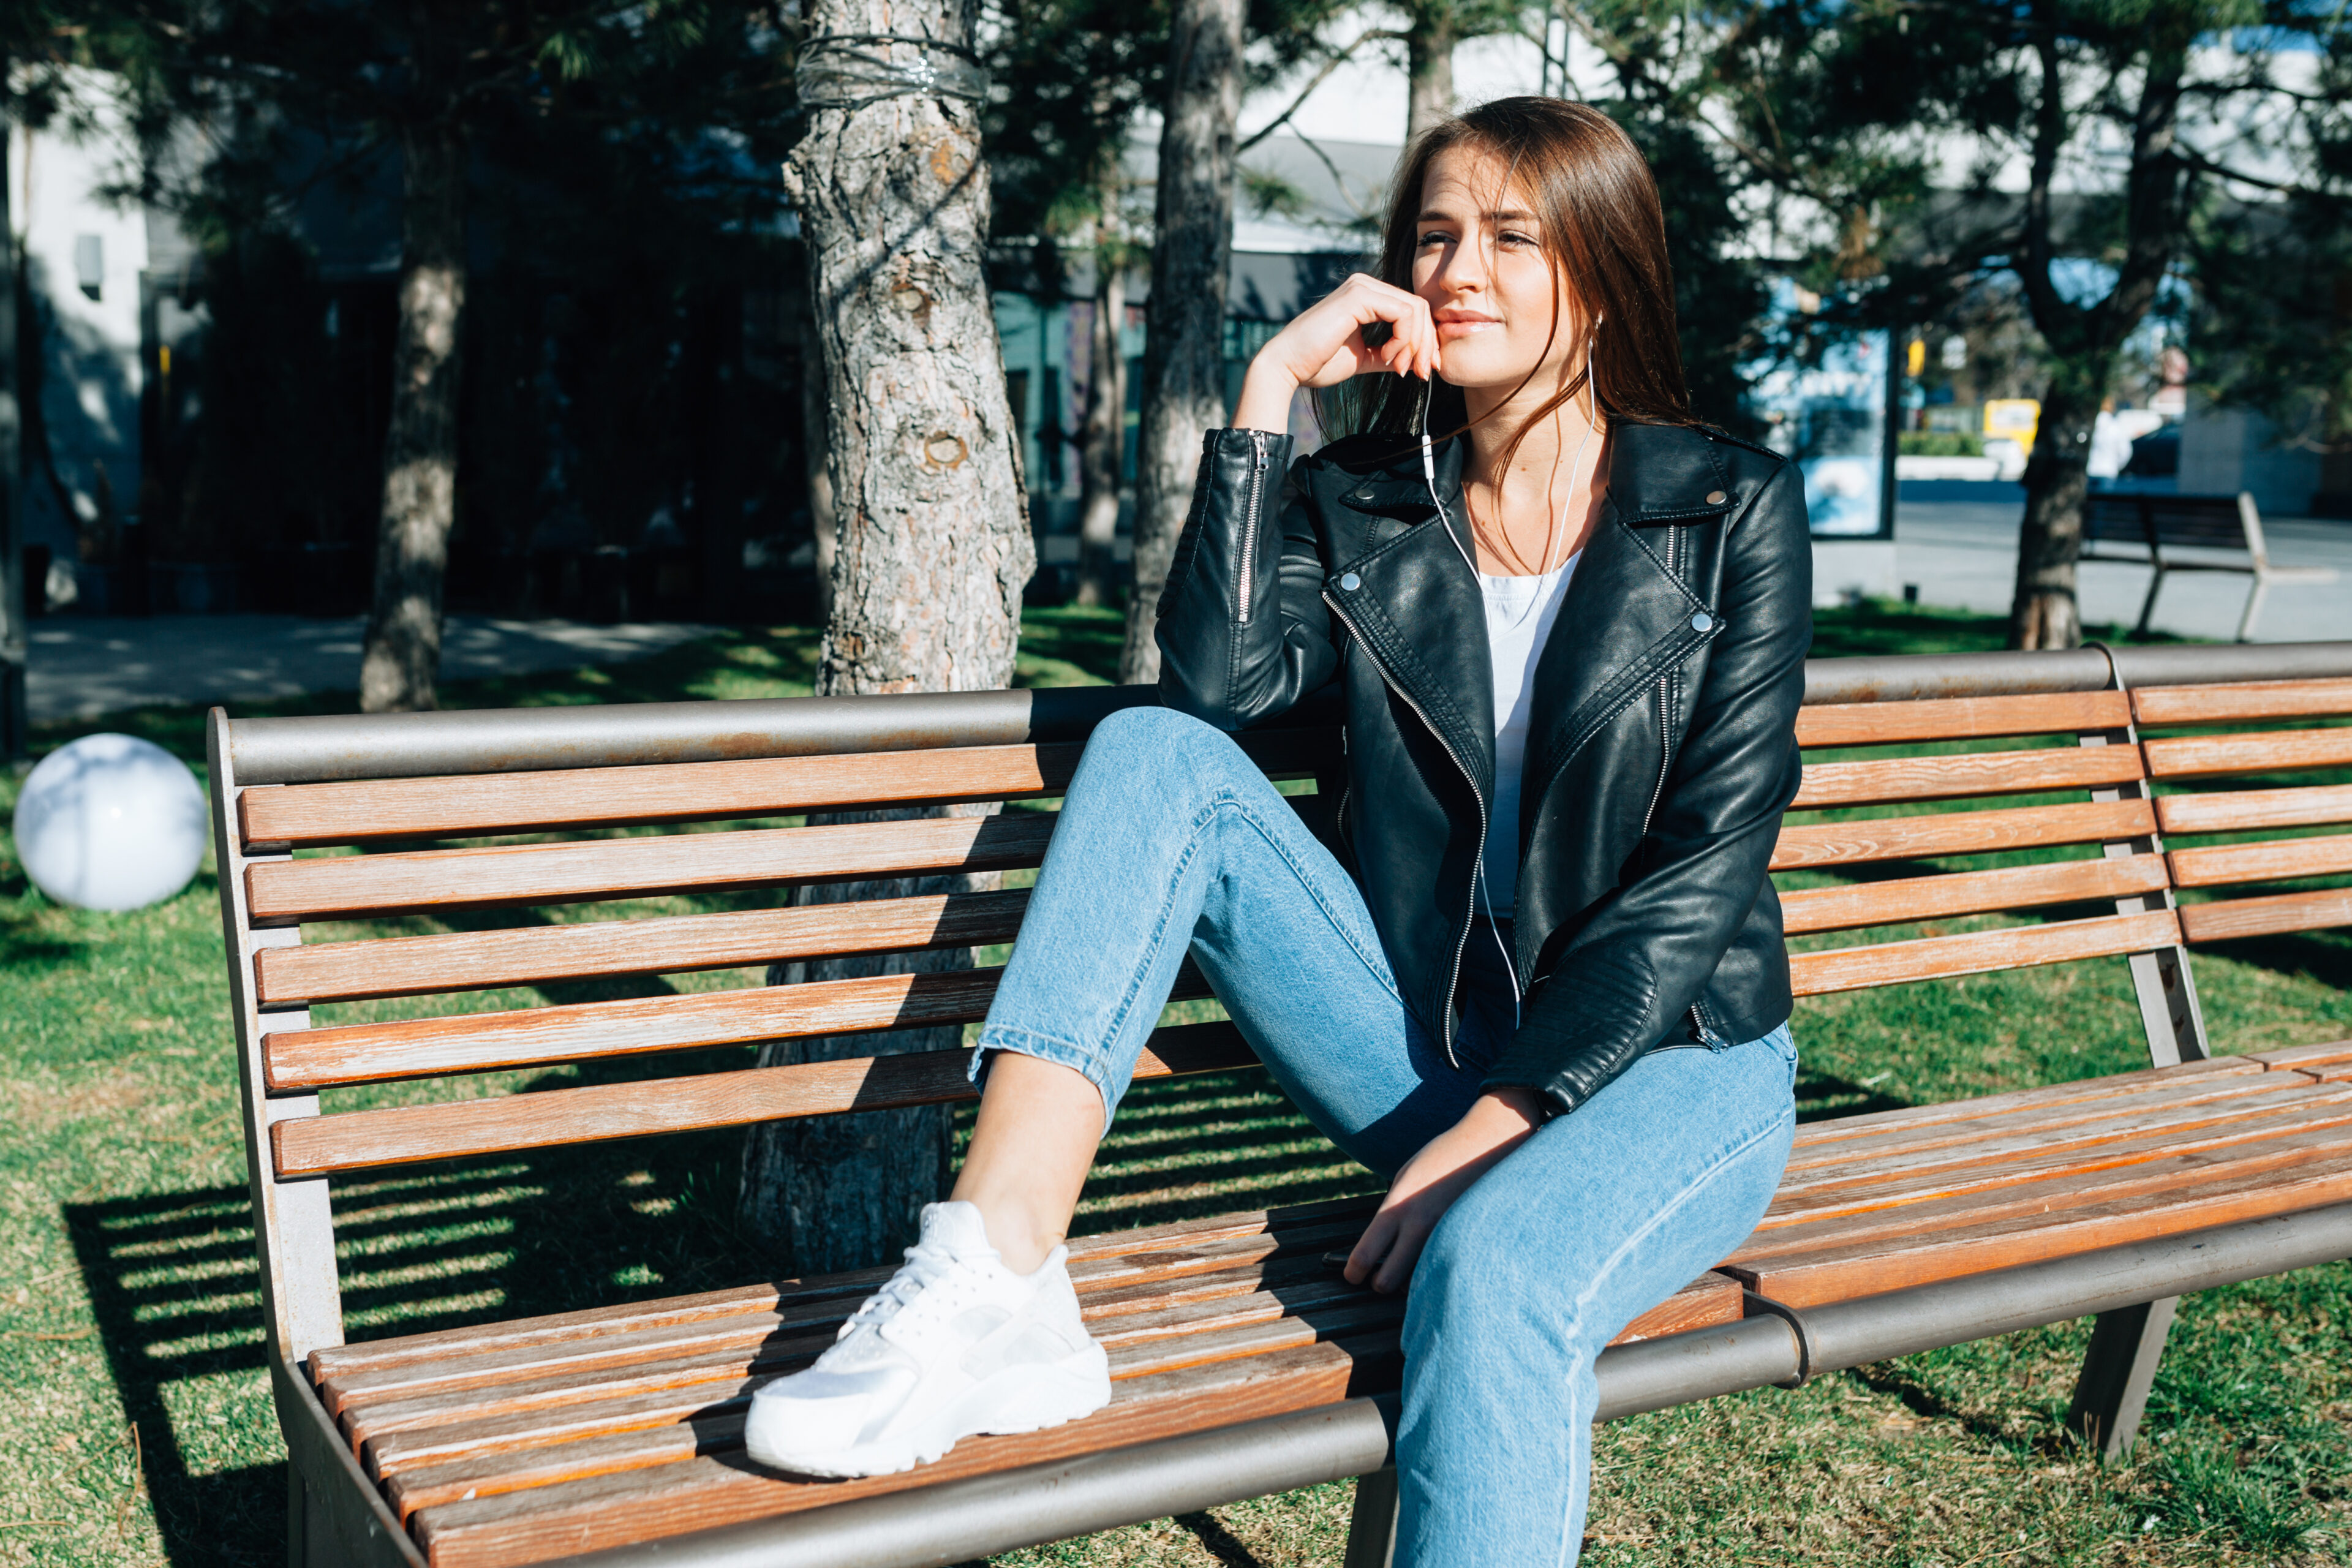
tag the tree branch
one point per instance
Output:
(1337, 59)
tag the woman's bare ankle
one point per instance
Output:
(1018, 1240)
(1039, 1122)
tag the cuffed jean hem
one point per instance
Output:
(1093, 1065)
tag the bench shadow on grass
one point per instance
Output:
(174, 1286)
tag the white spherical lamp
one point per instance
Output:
(110, 822)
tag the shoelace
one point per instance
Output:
(927, 1264)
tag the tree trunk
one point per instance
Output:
(815, 445)
(13, 589)
(1102, 436)
(402, 652)
(1428, 45)
(1191, 256)
(2044, 614)
(2084, 340)
(935, 550)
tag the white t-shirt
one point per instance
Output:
(1520, 613)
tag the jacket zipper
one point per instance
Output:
(1249, 530)
(1665, 755)
(1478, 864)
(1665, 699)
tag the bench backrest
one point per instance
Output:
(2248, 857)
(329, 821)
(2092, 794)
(2211, 523)
(538, 848)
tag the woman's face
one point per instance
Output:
(1479, 258)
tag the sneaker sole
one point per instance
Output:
(1016, 1399)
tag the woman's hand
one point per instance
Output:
(1324, 346)
(1498, 1124)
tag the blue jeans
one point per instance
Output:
(1170, 841)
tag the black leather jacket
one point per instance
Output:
(1660, 752)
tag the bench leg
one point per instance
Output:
(2253, 607)
(2148, 606)
(1372, 1534)
(2111, 1395)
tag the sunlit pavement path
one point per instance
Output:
(1963, 553)
(85, 665)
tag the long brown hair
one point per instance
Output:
(1603, 233)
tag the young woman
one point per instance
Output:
(1531, 969)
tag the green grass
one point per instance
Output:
(137, 1427)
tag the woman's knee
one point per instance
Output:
(1165, 749)
(1477, 1261)
(1152, 729)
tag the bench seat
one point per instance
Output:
(518, 1442)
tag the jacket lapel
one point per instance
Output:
(1629, 612)
(1417, 608)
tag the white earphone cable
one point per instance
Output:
(1429, 477)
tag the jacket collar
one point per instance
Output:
(1657, 473)
(1417, 607)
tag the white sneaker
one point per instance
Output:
(955, 1344)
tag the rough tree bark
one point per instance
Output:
(1102, 435)
(814, 444)
(2086, 340)
(1191, 256)
(1429, 41)
(402, 651)
(14, 590)
(934, 551)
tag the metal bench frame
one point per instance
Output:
(2154, 535)
(338, 1515)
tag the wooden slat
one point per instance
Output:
(549, 1381)
(716, 1432)
(2248, 810)
(2273, 914)
(487, 1459)
(1967, 773)
(539, 1480)
(1109, 1285)
(2264, 752)
(473, 961)
(351, 887)
(612, 1510)
(2320, 1058)
(1817, 1140)
(1801, 1226)
(1882, 1169)
(2273, 861)
(364, 1139)
(1087, 1254)
(1978, 952)
(481, 804)
(1910, 898)
(1893, 1182)
(585, 1031)
(2060, 1217)
(1822, 844)
(2243, 700)
(582, 1031)
(407, 1431)
(1960, 718)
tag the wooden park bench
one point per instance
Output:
(2141, 529)
(1244, 1365)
